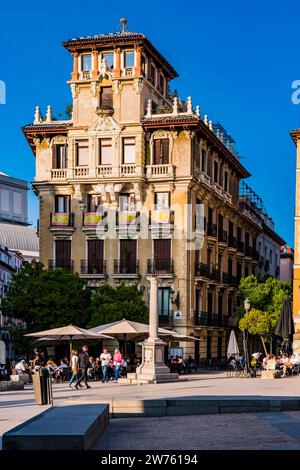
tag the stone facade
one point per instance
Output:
(138, 183)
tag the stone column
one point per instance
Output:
(75, 73)
(95, 65)
(117, 71)
(153, 312)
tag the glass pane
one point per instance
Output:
(86, 62)
(129, 150)
(109, 59)
(83, 155)
(106, 153)
(129, 59)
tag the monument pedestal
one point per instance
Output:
(152, 369)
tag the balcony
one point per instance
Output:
(81, 172)
(222, 236)
(232, 242)
(161, 223)
(166, 319)
(128, 223)
(248, 251)
(60, 264)
(103, 171)
(89, 268)
(91, 219)
(211, 230)
(210, 319)
(160, 171)
(62, 224)
(160, 267)
(203, 270)
(240, 246)
(85, 75)
(126, 268)
(58, 173)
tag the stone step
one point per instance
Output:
(74, 427)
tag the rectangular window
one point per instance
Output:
(216, 172)
(126, 202)
(106, 97)
(86, 62)
(226, 186)
(162, 255)
(17, 203)
(59, 156)
(128, 150)
(63, 254)
(229, 306)
(62, 203)
(162, 200)
(161, 83)
(109, 59)
(82, 153)
(95, 256)
(153, 74)
(161, 152)
(144, 65)
(128, 256)
(128, 59)
(163, 301)
(94, 202)
(4, 200)
(106, 152)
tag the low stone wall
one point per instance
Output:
(7, 386)
(119, 408)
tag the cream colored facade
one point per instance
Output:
(181, 185)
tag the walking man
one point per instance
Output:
(83, 362)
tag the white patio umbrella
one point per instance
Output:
(68, 333)
(128, 330)
(232, 348)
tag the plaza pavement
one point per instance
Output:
(16, 407)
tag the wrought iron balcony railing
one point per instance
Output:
(60, 264)
(125, 266)
(92, 219)
(211, 230)
(232, 241)
(92, 267)
(160, 266)
(222, 236)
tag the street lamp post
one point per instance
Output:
(247, 307)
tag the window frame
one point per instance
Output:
(82, 62)
(124, 146)
(78, 146)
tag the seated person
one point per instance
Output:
(21, 367)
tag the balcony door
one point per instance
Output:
(62, 204)
(95, 256)
(163, 305)
(161, 152)
(128, 250)
(162, 255)
(209, 307)
(63, 254)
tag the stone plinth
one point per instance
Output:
(270, 374)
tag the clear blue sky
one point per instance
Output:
(236, 59)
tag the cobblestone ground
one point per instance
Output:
(261, 431)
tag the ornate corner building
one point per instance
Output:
(139, 183)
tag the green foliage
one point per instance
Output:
(111, 304)
(21, 343)
(69, 111)
(257, 322)
(267, 296)
(47, 299)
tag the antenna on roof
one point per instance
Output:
(123, 25)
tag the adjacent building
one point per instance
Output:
(286, 263)
(15, 232)
(295, 134)
(140, 183)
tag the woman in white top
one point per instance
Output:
(74, 366)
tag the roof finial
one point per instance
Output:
(123, 23)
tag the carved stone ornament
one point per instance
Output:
(77, 192)
(105, 71)
(138, 85)
(104, 124)
(74, 90)
(148, 355)
(37, 141)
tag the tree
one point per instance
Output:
(266, 300)
(111, 304)
(47, 299)
(258, 323)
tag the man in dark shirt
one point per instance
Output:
(83, 363)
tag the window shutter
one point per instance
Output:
(106, 97)
(165, 151)
(63, 155)
(156, 156)
(54, 162)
